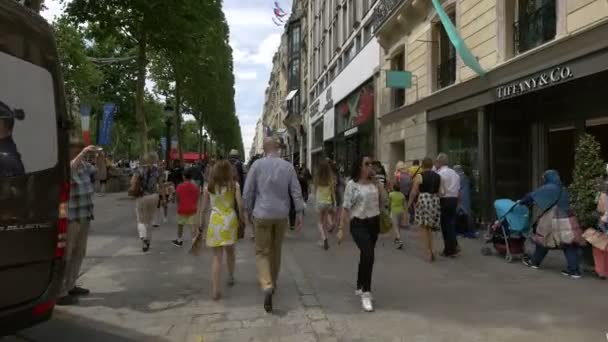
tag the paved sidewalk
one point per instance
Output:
(164, 295)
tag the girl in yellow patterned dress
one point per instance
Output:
(224, 198)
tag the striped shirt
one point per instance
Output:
(271, 183)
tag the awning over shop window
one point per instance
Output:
(291, 95)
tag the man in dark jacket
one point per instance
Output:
(238, 167)
(10, 159)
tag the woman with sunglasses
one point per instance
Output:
(361, 207)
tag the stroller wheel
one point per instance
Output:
(508, 258)
(486, 251)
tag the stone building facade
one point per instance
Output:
(546, 64)
(343, 58)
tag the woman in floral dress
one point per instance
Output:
(425, 191)
(224, 198)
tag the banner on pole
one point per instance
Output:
(105, 134)
(163, 145)
(85, 123)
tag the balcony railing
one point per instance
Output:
(536, 26)
(446, 73)
(383, 10)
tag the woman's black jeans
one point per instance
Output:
(365, 233)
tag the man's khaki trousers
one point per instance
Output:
(76, 249)
(269, 235)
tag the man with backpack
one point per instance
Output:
(238, 167)
(144, 187)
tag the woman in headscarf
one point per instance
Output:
(552, 195)
(465, 221)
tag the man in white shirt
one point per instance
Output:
(450, 187)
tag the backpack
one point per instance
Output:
(406, 181)
(137, 185)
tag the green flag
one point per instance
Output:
(462, 49)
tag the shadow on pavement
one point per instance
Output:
(70, 328)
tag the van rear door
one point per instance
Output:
(34, 134)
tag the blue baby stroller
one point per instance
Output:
(508, 232)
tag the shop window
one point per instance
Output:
(348, 54)
(535, 23)
(398, 95)
(356, 109)
(445, 55)
(458, 139)
(317, 131)
(336, 38)
(367, 33)
(345, 31)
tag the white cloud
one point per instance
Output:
(264, 52)
(249, 18)
(267, 49)
(54, 9)
(246, 75)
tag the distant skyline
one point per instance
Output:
(254, 39)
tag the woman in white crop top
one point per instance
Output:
(361, 207)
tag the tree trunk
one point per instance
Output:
(140, 116)
(178, 116)
(34, 5)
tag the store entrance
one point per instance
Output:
(560, 152)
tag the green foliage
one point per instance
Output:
(588, 171)
(187, 45)
(81, 76)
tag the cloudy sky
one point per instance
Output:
(254, 39)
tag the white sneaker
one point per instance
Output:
(358, 292)
(165, 220)
(366, 302)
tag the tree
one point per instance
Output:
(588, 171)
(187, 42)
(34, 5)
(81, 76)
(134, 20)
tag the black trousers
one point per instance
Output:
(448, 225)
(365, 233)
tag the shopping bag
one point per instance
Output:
(596, 238)
(197, 244)
(567, 229)
(544, 233)
(386, 223)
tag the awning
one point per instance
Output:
(291, 94)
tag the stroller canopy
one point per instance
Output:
(517, 215)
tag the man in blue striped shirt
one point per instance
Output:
(270, 186)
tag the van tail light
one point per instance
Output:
(62, 223)
(43, 308)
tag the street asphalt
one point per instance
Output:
(164, 295)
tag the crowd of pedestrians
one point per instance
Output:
(218, 199)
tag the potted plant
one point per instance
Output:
(588, 172)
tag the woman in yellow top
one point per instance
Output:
(325, 185)
(224, 198)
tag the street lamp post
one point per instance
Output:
(168, 117)
(205, 143)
